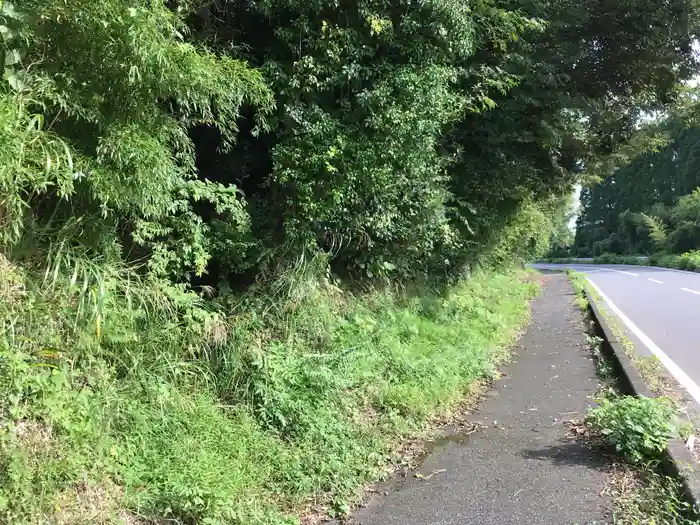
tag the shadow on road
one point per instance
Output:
(569, 453)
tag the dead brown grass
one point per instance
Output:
(92, 503)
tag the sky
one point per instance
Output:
(577, 196)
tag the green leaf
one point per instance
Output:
(12, 57)
(14, 78)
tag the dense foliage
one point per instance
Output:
(400, 137)
(187, 187)
(95, 118)
(650, 205)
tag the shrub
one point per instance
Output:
(638, 427)
(689, 260)
(667, 260)
(631, 259)
(608, 258)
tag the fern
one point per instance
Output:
(657, 230)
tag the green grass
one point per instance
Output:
(578, 282)
(145, 403)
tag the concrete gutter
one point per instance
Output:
(677, 459)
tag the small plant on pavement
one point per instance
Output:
(604, 367)
(638, 427)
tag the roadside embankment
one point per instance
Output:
(117, 406)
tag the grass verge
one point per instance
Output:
(124, 403)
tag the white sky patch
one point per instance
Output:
(577, 206)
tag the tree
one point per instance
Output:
(409, 135)
(647, 205)
(562, 236)
(403, 139)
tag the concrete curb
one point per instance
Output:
(677, 459)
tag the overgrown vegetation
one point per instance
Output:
(637, 427)
(578, 282)
(247, 246)
(294, 395)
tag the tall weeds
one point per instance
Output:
(137, 396)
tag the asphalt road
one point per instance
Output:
(660, 309)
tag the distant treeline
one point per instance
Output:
(651, 205)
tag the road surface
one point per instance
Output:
(660, 309)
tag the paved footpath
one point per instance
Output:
(524, 470)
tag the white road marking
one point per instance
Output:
(683, 378)
(697, 274)
(691, 291)
(626, 273)
(655, 281)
